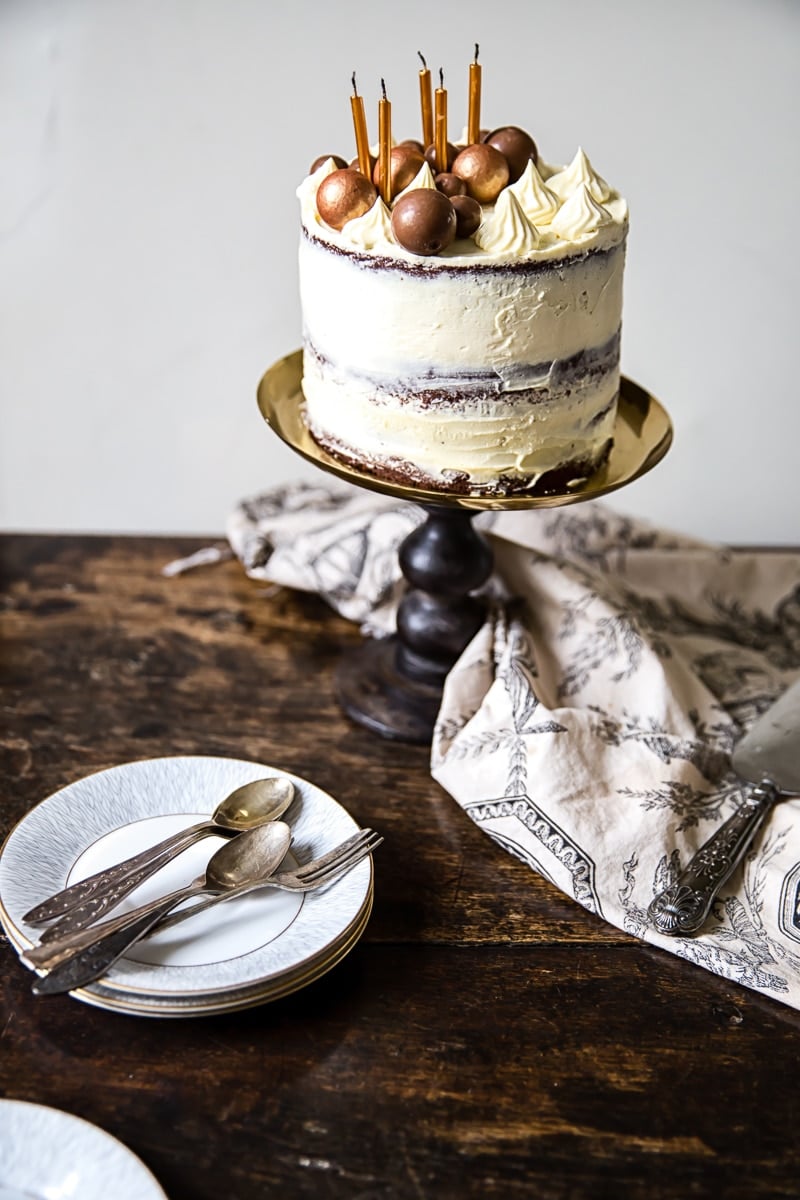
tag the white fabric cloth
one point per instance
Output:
(588, 726)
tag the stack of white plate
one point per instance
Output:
(237, 954)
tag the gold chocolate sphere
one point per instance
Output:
(484, 170)
(344, 195)
(404, 164)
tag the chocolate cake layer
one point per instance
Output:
(525, 384)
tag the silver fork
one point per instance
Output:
(83, 957)
(308, 878)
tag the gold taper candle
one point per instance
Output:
(474, 118)
(384, 146)
(360, 125)
(440, 100)
(426, 103)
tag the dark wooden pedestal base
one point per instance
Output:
(394, 686)
(373, 691)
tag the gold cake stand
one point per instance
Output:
(393, 686)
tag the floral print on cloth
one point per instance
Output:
(588, 727)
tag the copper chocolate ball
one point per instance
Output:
(317, 163)
(344, 195)
(372, 161)
(484, 170)
(430, 157)
(468, 215)
(404, 165)
(516, 145)
(450, 184)
(414, 144)
(424, 221)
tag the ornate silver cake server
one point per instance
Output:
(767, 757)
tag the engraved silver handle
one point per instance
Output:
(114, 888)
(51, 955)
(111, 877)
(682, 908)
(79, 968)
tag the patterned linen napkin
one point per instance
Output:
(588, 726)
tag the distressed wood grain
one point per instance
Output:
(486, 1038)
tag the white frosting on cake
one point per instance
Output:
(393, 324)
(489, 438)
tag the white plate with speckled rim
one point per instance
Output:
(45, 1152)
(245, 951)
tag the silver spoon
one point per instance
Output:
(250, 858)
(246, 807)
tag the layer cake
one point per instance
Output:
(490, 365)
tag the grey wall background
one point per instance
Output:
(149, 153)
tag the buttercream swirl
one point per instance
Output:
(538, 203)
(580, 171)
(506, 229)
(580, 215)
(372, 230)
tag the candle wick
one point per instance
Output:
(422, 60)
(355, 89)
(441, 78)
(383, 88)
(476, 52)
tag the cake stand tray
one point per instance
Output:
(642, 436)
(393, 686)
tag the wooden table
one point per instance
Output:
(487, 1037)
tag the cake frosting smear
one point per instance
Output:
(461, 327)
